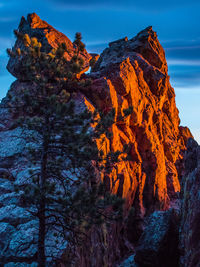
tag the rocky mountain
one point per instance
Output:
(129, 73)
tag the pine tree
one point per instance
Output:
(66, 189)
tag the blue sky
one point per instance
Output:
(177, 25)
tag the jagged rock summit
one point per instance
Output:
(49, 37)
(134, 73)
(129, 73)
(145, 44)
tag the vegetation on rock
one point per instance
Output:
(66, 193)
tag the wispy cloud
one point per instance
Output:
(145, 5)
(96, 42)
(183, 47)
(7, 19)
(194, 90)
(183, 62)
(96, 47)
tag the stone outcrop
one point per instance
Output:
(49, 37)
(158, 245)
(18, 227)
(134, 73)
(129, 73)
(190, 215)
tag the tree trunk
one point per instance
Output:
(41, 237)
(42, 206)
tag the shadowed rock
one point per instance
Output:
(158, 246)
(190, 219)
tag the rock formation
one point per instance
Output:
(129, 73)
(190, 215)
(49, 37)
(158, 245)
(134, 73)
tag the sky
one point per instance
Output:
(177, 23)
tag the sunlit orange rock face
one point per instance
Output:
(134, 73)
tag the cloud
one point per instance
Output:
(8, 19)
(183, 47)
(155, 5)
(183, 55)
(184, 76)
(183, 62)
(96, 47)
